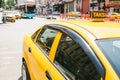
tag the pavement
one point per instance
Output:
(57, 17)
(50, 17)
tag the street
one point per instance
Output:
(11, 40)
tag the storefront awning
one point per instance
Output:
(113, 5)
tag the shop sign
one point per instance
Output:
(68, 0)
(30, 1)
(78, 7)
(114, 2)
(52, 0)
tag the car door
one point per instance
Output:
(44, 44)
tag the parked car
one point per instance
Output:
(74, 14)
(17, 14)
(9, 16)
(72, 50)
(115, 15)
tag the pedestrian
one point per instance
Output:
(104, 7)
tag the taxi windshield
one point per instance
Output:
(8, 12)
(111, 49)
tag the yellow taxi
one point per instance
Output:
(115, 15)
(17, 14)
(9, 16)
(72, 50)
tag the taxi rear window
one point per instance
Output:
(111, 49)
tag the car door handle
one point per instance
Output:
(48, 75)
(29, 49)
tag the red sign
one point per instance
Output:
(52, 0)
(113, 5)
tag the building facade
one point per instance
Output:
(113, 5)
(82, 6)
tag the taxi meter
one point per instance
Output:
(98, 15)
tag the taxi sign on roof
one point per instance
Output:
(98, 15)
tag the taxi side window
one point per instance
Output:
(46, 38)
(71, 59)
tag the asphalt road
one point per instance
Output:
(11, 40)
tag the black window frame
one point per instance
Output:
(35, 34)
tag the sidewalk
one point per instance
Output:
(57, 17)
(49, 17)
(53, 17)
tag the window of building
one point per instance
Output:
(72, 60)
(46, 38)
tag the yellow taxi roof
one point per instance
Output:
(98, 29)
